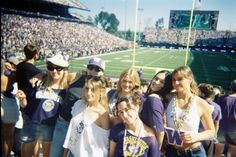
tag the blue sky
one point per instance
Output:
(154, 9)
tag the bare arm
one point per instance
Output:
(160, 137)
(22, 98)
(205, 112)
(4, 83)
(66, 152)
(112, 149)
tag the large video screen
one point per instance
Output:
(201, 19)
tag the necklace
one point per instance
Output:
(179, 124)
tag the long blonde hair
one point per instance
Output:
(98, 83)
(186, 72)
(133, 74)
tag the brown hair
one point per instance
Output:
(31, 50)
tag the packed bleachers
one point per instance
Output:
(78, 39)
(198, 37)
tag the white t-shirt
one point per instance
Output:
(84, 137)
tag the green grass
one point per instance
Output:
(209, 67)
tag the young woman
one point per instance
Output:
(88, 131)
(42, 107)
(183, 115)
(95, 67)
(132, 137)
(152, 113)
(9, 104)
(128, 83)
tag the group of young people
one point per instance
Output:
(72, 114)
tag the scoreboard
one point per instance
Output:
(205, 20)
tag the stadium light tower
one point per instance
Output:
(140, 19)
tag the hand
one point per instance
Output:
(22, 97)
(188, 137)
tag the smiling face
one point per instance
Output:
(182, 80)
(127, 85)
(128, 113)
(55, 72)
(158, 82)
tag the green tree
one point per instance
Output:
(108, 22)
(159, 23)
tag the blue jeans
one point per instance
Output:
(59, 136)
(34, 131)
(194, 152)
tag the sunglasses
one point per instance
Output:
(96, 68)
(51, 68)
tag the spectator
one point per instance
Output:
(9, 105)
(228, 121)
(129, 82)
(184, 113)
(152, 113)
(140, 73)
(132, 137)
(24, 72)
(95, 67)
(42, 107)
(207, 93)
(88, 131)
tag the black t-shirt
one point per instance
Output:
(73, 93)
(24, 72)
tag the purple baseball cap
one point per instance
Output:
(98, 62)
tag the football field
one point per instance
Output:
(217, 68)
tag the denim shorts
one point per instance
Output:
(10, 110)
(33, 131)
(59, 136)
(194, 152)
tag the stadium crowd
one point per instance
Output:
(77, 39)
(73, 114)
(81, 114)
(198, 37)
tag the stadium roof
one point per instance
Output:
(71, 3)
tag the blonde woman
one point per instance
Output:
(184, 113)
(42, 107)
(88, 131)
(129, 82)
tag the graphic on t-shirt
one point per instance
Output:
(173, 136)
(130, 144)
(48, 105)
(80, 127)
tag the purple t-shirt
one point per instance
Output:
(216, 114)
(147, 146)
(44, 105)
(228, 108)
(152, 113)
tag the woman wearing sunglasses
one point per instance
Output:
(88, 131)
(42, 107)
(132, 137)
